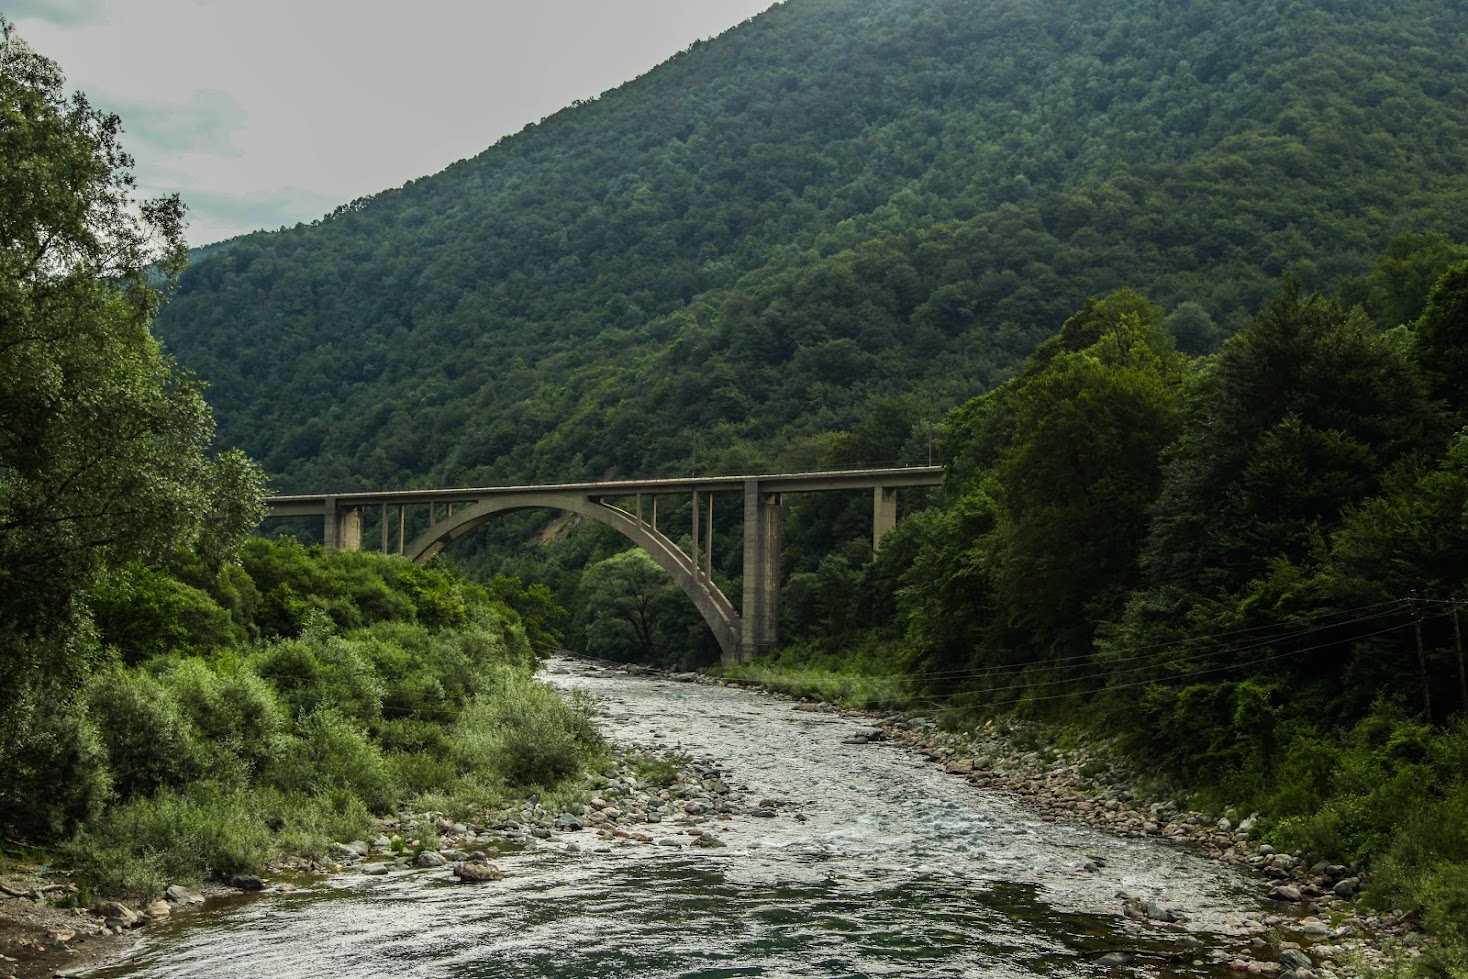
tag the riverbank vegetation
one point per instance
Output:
(1245, 566)
(361, 684)
(176, 698)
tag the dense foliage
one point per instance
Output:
(746, 250)
(280, 708)
(102, 438)
(1247, 566)
(175, 698)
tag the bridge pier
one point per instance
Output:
(884, 513)
(760, 615)
(343, 529)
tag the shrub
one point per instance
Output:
(238, 714)
(320, 670)
(60, 779)
(306, 825)
(140, 846)
(150, 742)
(523, 733)
(330, 751)
(143, 612)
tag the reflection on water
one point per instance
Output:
(896, 870)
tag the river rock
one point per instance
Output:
(1287, 892)
(430, 859)
(245, 882)
(116, 911)
(158, 909)
(478, 872)
(182, 895)
(1157, 912)
(1293, 958)
(1115, 960)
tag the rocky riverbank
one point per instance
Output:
(1316, 928)
(650, 798)
(44, 933)
(657, 799)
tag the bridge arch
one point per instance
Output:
(712, 604)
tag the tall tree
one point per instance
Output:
(102, 438)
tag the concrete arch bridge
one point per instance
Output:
(631, 508)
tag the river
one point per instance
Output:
(875, 864)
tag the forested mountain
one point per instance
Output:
(837, 204)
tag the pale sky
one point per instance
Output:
(263, 113)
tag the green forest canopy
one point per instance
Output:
(744, 251)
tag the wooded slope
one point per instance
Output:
(833, 205)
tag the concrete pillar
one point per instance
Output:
(349, 537)
(884, 513)
(384, 528)
(694, 546)
(761, 611)
(343, 529)
(708, 541)
(331, 530)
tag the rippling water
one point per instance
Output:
(897, 870)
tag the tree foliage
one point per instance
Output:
(102, 437)
(756, 244)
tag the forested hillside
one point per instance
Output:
(837, 204)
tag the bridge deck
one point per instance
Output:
(852, 479)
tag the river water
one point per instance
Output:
(896, 869)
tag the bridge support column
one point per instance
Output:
(761, 612)
(884, 513)
(343, 529)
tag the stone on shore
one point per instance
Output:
(182, 895)
(245, 882)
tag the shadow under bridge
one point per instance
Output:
(631, 508)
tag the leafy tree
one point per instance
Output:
(102, 438)
(536, 606)
(1081, 477)
(632, 607)
(1294, 421)
(1442, 340)
(1396, 291)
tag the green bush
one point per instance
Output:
(150, 742)
(524, 734)
(176, 835)
(321, 670)
(60, 779)
(330, 751)
(237, 713)
(143, 612)
(307, 825)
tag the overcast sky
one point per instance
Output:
(263, 113)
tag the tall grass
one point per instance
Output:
(216, 765)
